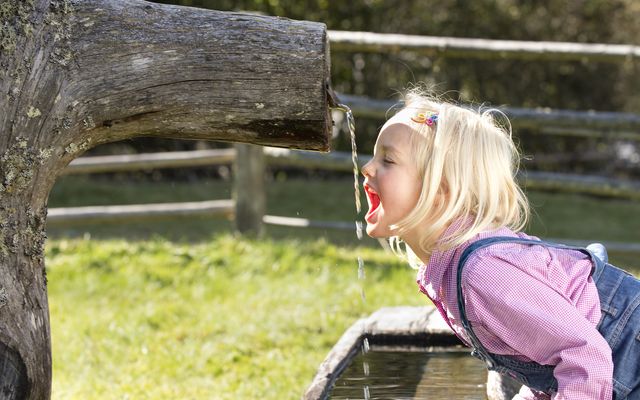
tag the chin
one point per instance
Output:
(374, 232)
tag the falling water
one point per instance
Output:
(359, 229)
(365, 367)
(354, 158)
(361, 274)
(356, 186)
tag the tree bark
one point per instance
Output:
(78, 73)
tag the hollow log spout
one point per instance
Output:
(78, 73)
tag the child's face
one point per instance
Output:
(392, 182)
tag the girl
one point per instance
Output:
(559, 319)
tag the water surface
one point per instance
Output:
(401, 375)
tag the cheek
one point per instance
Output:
(414, 189)
(405, 198)
(412, 198)
(412, 202)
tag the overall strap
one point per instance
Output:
(482, 243)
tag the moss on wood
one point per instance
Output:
(59, 17)
(17, 167)
(14, 22)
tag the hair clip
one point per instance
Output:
(423, 119)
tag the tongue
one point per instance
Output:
(375, 203)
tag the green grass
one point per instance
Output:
(184, 309)
(228, 318)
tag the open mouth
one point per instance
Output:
(373, 199)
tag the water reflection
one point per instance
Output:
(401, 375)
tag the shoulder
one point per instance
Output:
(499, 277)
(504, 261)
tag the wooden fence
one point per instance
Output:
(611, 125)
(249, 197)
(249, 161)
(334, 161)
(350, 41)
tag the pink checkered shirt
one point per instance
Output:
(532, 302)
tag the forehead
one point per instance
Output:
(397, 131)
(403, 117)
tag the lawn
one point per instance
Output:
(227, 318)
(185, 309)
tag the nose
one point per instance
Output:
(367, 169)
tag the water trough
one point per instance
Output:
(435, 363)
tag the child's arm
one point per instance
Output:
(506, 305)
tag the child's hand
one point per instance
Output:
(599, 251)
(528, 394)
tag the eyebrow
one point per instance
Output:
(390, 149)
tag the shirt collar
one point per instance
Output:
(431, 275)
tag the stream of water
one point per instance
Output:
(351, 124)
(356, 188)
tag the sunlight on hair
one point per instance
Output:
(468, 164)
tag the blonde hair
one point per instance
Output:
(468, 165)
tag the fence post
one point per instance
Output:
(248, 188)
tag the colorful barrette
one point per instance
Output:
(423, 119)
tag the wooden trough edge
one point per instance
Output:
(402, 324)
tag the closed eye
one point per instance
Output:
(388, 161)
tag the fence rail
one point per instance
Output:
(340, 161)
(336, 161)
(350, 41)
(580, 123)
(123, 213)
(133, 162)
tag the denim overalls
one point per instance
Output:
(619, 294)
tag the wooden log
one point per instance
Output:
(78, 73)
(369, 42)
(203, 74)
